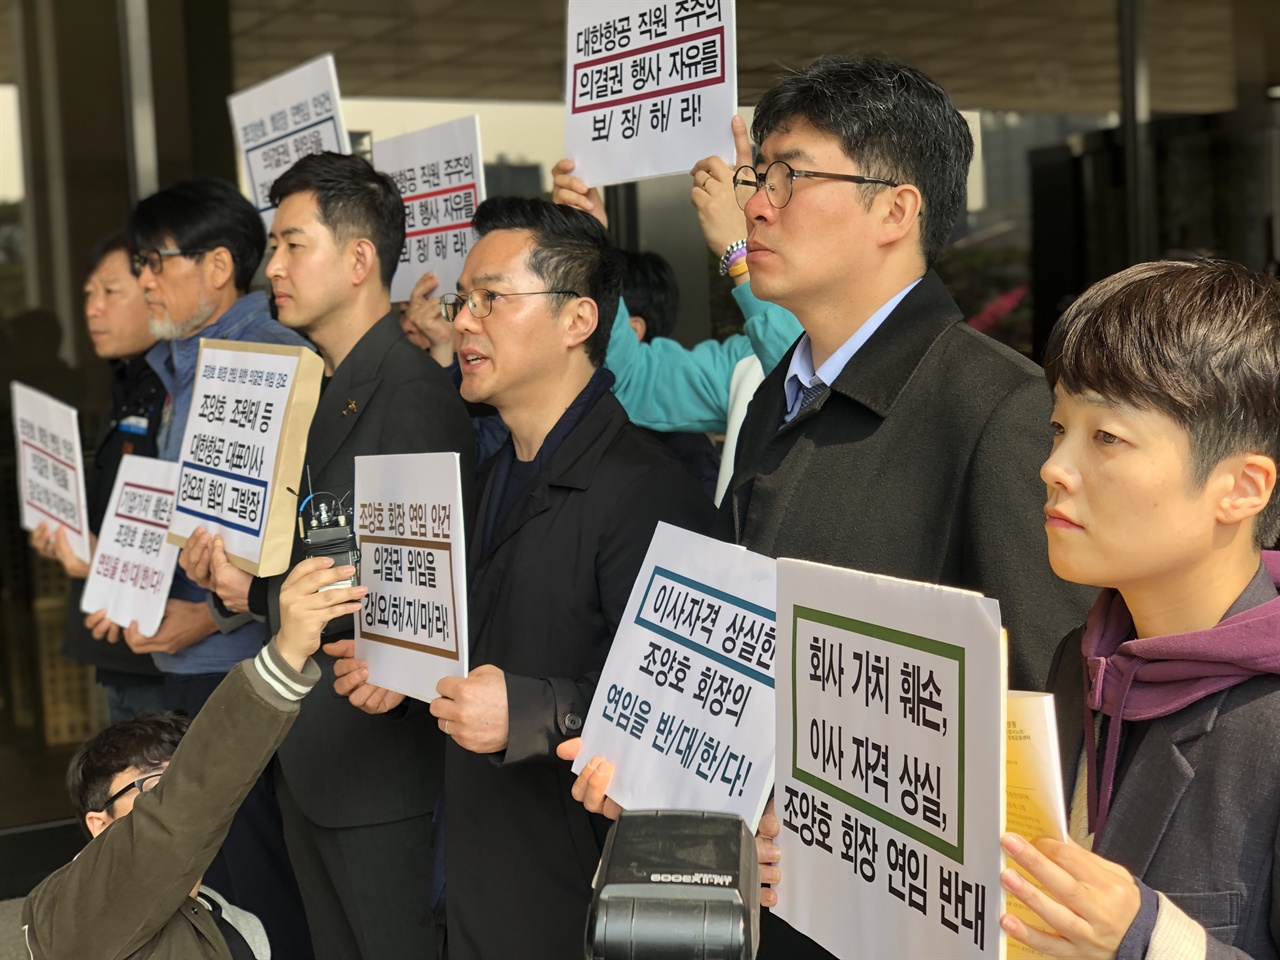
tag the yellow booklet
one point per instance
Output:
(1034, 802)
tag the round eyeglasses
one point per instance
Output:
(779, 181)
(480, 301)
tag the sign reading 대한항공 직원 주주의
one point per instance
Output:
(282, 119)
(412, 628)
(650, 86)
(243, 449)
(134, 563)
(439, 172)
(684, 707)
(890, 765)
(50, 465)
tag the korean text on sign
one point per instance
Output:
(50, 465)
(652, 85)
(134, 563)
(890, 763)
(283, 119)
(412, 628)
(439, 172)
(684, 706)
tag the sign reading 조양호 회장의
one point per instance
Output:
(50, 465)
(281, 120)
(134, 563)
(891, 762)
(684, 706)
(650, 86)
(412, 628)
(243, 449)
(440, 174)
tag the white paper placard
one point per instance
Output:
(684, 707)
(285, 118)
(251, 406)
(891, 764)
(440, 174)
(412, 630)
(650, 86)
(133, 566)
(50, 465)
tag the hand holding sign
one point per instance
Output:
(1091, 901)
(185, 623)
(351, 680)
(719, 215)
(101, 627)
(573, 192)
(473, 709)
(590, 789)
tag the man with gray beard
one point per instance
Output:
(196, 247)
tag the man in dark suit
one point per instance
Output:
(567, 509)
(893, 438)
(356, 792)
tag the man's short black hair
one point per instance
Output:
(201, 214)
(571, 251)
(354, 201)
(892, 120)
(650, 290)
(1198, 341)
(116, 243)
(144, 742)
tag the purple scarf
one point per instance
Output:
(1131, 679)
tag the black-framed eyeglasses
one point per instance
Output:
(143, 784)
(480, 301)
(154, 259)
(779, 180)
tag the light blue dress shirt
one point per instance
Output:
(800, 374)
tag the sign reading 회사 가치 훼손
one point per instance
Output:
(890, 767)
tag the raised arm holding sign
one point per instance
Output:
(50, 466)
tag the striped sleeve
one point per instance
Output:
(270, 674)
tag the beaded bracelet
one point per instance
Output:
(734, 252)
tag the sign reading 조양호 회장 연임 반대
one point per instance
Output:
(281, 120)
(412, 628)
(440, 174)
(650, 86)
(684, 706)
(243, 449)
(50, 465)
(890, 766)
(134, 563)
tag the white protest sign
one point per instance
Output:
(134, 563)
(440, 174)
(650, 86)
(50, 465)
(281, 120)
(243, 447)
(891, 762)
(684, 707)
(412, 630)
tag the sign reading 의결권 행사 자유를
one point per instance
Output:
(50, 465)
(283, 119)
(684, 706)
(412, 626)
(440, 174)
(890, 766)
(650, 86)
(243, 449)
(134, 563)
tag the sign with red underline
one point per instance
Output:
(440, 174)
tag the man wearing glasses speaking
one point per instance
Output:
(566, 511)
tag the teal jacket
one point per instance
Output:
(666, 386)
